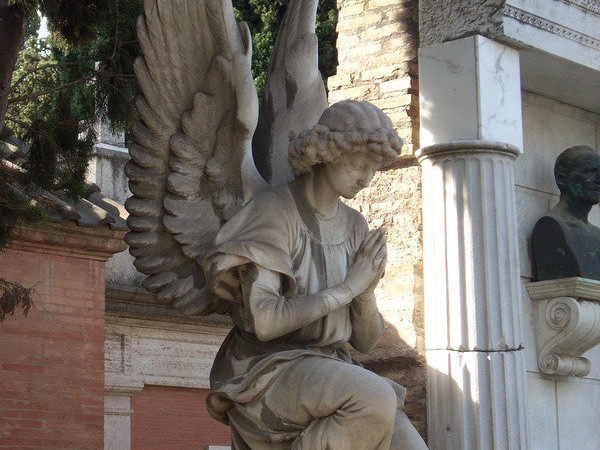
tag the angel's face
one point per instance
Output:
(350, 173)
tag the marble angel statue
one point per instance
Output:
(294, 266)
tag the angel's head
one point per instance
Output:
(348, 130)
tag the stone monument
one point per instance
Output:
(566, 257)
(564, 244)
(294, 266)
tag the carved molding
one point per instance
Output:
(568, 326)
(552, 27)
(592, 6)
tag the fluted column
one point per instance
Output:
(472, 297)
(471, 134)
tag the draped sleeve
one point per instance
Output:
(260, 233)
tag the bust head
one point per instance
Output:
(577, 174)
(563, 243)
(347, 128)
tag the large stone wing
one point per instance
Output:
(294, 97)
(191, 164)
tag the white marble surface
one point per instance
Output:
(542, 418)
(107, 170)
(578, 414)
(160, 353)
(529, 321)
(117, 422)
(469, 89)
(471, 264)
(555, 27)
(566, 12)
(549, 127)
(476, 400)
(476, 393)
(499, 92)
(562, 413)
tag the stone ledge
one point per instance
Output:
(137, 303)
(67, 239)
(582, 288)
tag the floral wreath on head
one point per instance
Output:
(368, 130)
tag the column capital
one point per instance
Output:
(468, 146)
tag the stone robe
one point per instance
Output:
(302, 254)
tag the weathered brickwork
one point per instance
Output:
(377, 52)
(445, 20)
(166, 418)
(52, 361)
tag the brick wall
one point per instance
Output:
(377, 52)
(168, 418)
(52, 361)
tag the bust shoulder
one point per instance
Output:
(565, 248)
(552, 256)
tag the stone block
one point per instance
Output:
(482, 76)
(384, 72)
(395, 86)
(541, 413)
(357, 23)
(578, 418)
(549, 127)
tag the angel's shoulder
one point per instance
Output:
(272, 200)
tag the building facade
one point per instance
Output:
(485, 95)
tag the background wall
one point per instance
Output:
(562, 411)
(51, 362)
(377, 52)
(166, 418)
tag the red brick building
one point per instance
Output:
(52, 361)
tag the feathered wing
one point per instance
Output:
(294, 97)
(191, 165)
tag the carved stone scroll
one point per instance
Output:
(568, 324)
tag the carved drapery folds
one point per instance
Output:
(568, 324)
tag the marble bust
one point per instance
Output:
(564, 244)
(300, 268)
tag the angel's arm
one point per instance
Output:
(272, 315)
(367, 324)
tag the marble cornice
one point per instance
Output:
(592, 6)
(542, 23)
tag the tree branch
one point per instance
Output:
(39, 68)
(24, 98)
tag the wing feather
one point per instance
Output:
(294, 96)
(198, 110)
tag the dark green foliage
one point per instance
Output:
(263, 18)
(75, 20)
(327, 16)
(62, 85)
(60, 88)
(13, 296)
(84, 71)
(15, 208)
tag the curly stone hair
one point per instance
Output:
(347, 126)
